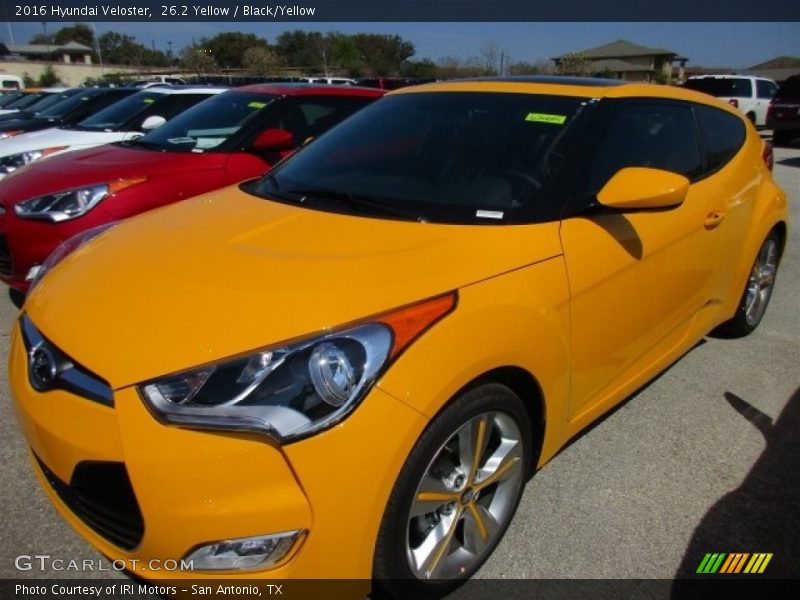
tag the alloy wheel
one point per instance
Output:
(760, 283)
(465, 498)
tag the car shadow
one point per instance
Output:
(762, 515)
(617, 225)
(789, 162)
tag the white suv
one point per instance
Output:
(749, 94)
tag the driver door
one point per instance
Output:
(638, 278)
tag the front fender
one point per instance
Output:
(517, 319)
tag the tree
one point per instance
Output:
(300, 48)
(424, 68)
(122, 49)
(261, 61)
(383, 54)
(490, 55)
(79, 32)
(345, 53)
(573, 63)
(48, 78)
(228, 48)
(526, 68)
(41, 38)
(197, 59)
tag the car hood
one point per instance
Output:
(99, 165)
(27, 124)
(228, 272)
(55, 136)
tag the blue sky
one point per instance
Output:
(709, 44)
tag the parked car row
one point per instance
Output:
(349, 366)
(763, 102)
(784, 112)
(102, 167)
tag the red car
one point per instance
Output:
(233, 136)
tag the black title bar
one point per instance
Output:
(299, 11)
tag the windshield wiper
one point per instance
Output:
(140, 143)
(357, 202)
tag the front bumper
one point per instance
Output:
(194, 487)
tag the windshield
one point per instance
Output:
(9, 97)
(445, 157)
(728, 87)
(50, 107)
(207, 125)
(119, 113)
(28, 100)
(790, 88)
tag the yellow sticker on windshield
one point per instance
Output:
(84, 98)
(148, 100)
(257, 105)
(544, 118)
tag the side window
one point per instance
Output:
(644, 134)
(313, 116)
(723, 133)
(766, 89)
(99, 103)
(173, 105)
(742, 88)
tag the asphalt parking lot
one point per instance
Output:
(704, 459)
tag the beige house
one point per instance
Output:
(625, 60)
(73, 52)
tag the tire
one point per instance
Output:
(428, 547)
(757, 291)
(17, 297)
(752, 116)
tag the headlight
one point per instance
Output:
(71, 204)
(63, 250)
(12, 162)
(294, 390)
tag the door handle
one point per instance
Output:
(713, 219)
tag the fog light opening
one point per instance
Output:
(259, 552)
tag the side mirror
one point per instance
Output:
(274, 140)
(153, 122)
(642, 187)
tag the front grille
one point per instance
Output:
(64, 373)
(6, 268)
(100, 494)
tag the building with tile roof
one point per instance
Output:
(632, 62)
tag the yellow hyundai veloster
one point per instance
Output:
(349, 367)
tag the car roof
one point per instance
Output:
(310, 89)
(184, 89)
(586, 87)
(729, 76)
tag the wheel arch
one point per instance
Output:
(524, 385)
(781, 229)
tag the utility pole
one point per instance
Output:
(97, 47)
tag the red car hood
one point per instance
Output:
(100, 165)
